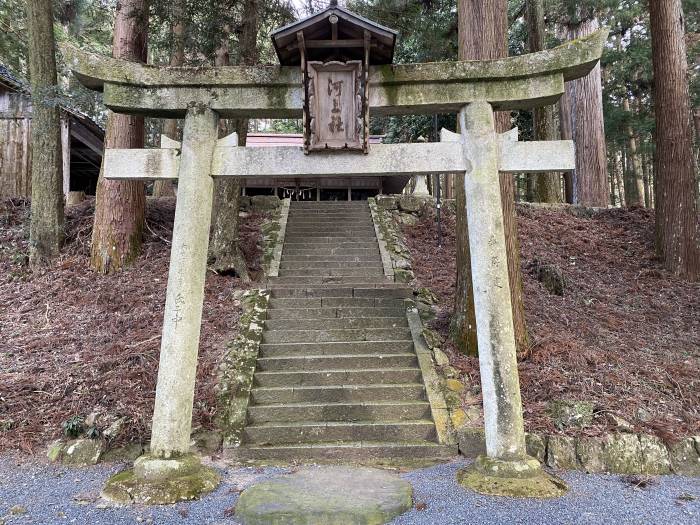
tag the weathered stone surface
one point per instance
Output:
(685, 458)
(182, 320)
(207, 441)
(561, 452)
(623, 454)
(441, 358)
(621, 424)
(536, 446)
(128, 453)
(552, 278)
(327, 495)
(387, 202)
(410, 203)
(81, 452)
(455, 385)
(183, 485)
(518, 478)
(591, 454)
(655, 456)
(265, 202)
(276, 92)
(403, 276)
(567, 414)
(471, 441)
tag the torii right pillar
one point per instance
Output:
(506, 469)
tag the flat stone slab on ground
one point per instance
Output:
(326, 496)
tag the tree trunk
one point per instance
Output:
(224, 253)
(565, 128)
(634, 179)
(120, 205)
(545, 187)
(584, 101)
(46, 227)
(166, 188)
(647, 182)
(696, 122)
(483, 35)
(677, 224)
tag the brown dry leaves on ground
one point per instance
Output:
(74, 341)
(625, 335)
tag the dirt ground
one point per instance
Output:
(625, 335)
(75, 342)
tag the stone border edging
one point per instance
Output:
(619, 453)
(386, 258)
(274, 268)
(438, 405)
(237, 368)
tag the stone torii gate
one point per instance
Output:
(473, 89)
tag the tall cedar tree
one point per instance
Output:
(166, 188)
(224, 250)
(677, 218)
(543, 187)
(46, 227)
(634, 177)
(582, 121)
(483, 26)
(120, 205)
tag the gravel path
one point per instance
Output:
(38, 493)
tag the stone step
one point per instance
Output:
(345, 348)
(284, 378)
(325, 230)
(337, 394)
(320, 250)
(333, 313)
(337, 216)
(371, 411)
(329, 265)
(337, 362)
(328, 204)
(328, 336)
(322, 234)
(308, 244)
(332, 272)
(335, 302)
(328, 279)
(303, 239)
(277, 433)
(379, 290)
(345, 259)
(345, 323)
(416, 452)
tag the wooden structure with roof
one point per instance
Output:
(334, 49)
(81, 143)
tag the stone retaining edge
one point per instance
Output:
(618, 453)
(438, 405)
(235, 375)
(274, 269)
(386, 258)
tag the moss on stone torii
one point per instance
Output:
(519, 82)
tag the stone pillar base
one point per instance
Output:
(155, 481)
(522, 478)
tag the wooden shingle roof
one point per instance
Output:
(350, 32)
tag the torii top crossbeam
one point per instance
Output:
(520, 82)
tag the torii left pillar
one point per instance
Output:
(169, 473)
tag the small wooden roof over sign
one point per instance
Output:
(334, 33)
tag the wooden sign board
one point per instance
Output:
(336, 105)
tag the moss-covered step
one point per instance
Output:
(355, 347)
(366, 411)
(332, 394)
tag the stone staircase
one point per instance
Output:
(337, 376)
